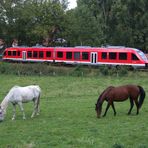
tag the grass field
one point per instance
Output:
(68, 119)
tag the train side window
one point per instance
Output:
(77, 55)
(9, 53)
(134, 57)
(84, 55)
(41, 54)
(122, 56)
(104, 55)
(48, 54)
(18, 53)
(112, 55)
(35, 54)
(13, 53)
(60, 54)
(29, 54)
(68, 55)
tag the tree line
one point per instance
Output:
(91, 23)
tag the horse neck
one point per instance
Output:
(102, 97)
(4, 104)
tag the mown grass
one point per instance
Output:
(68, 117)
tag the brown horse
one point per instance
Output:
(118, 94)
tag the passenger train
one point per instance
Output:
(110, 55)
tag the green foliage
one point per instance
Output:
(123, 71)
(51, 69)
(104, 70)
(114, 71)
(92, 22)
(118, 146)
(29, 21)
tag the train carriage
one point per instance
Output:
(112, 55)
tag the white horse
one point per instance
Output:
(19, 95)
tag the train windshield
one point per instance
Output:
(142, 55)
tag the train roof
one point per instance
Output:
(78, 48)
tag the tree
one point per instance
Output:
(30, 20)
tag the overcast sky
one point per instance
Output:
(72, 4)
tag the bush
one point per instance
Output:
(80, 70)
(53, 70)
(123, 71)
(104, 70)
(117, 146)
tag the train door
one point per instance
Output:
(94, 57)
(24, 55)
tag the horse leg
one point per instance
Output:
(108, 105)
(22, 109)
(14, 112)
(132, 104)
(37, 105)
(113, 107)
(36, 108)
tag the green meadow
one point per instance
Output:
(67, 114)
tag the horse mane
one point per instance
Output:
(16, 86)
(104, 93)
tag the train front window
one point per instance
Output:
(112, 55)
(60, 54)
(68, 55)
(85, 55)
(142, 55)
(5, 53)
(134, 57)
(122, 56)
(77, 55)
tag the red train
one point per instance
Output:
(111, 55)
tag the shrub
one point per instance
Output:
(104, 70)
(117, 146)
(123, 71)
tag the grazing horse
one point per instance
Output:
(19, 95)
(119, 94)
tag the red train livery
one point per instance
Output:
(111, 55)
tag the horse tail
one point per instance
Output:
(142, 96)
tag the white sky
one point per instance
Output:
(72, 4)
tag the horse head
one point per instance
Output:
(98, 109)
(101, 99)
(1, 114)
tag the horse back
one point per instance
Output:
(24, 93)
(124, 92)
